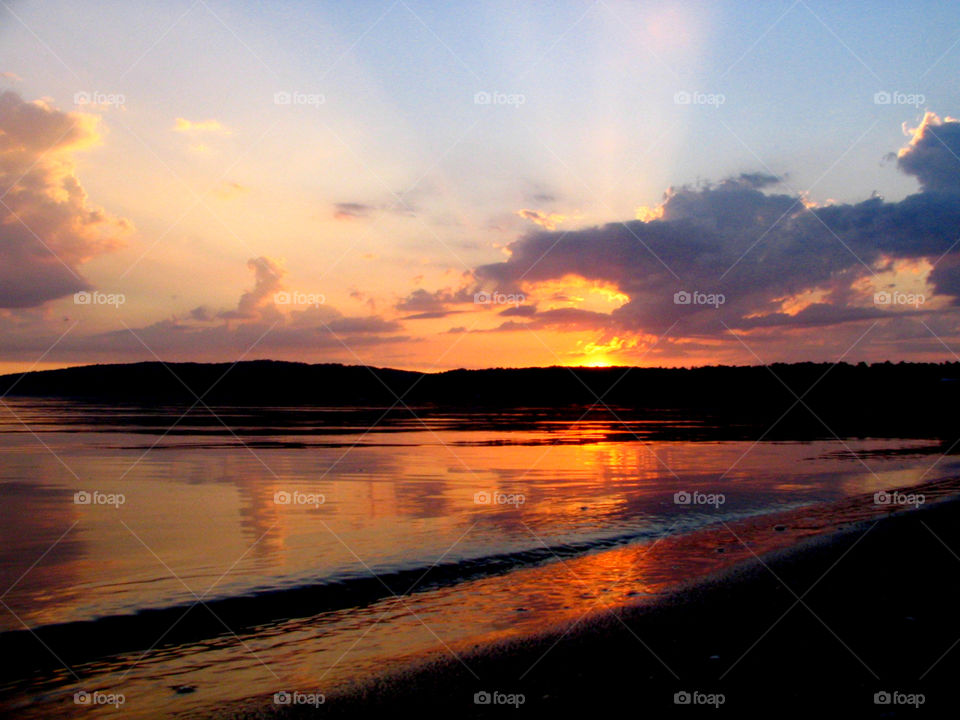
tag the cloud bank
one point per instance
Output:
(776, 260)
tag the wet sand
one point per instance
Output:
(820, 627)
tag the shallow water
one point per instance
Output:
(318, 546)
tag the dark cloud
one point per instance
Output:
(757, 250)
(431, 315)
(933, 155)
(519, 311)
(351, 210)
(425, 305)
(47, 227)
(758, 180)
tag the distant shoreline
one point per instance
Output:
(791, 400)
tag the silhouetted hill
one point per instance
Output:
(884, 398)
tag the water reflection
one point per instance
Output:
(202, 519)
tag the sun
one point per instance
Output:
(596, 360)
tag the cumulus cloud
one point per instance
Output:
(776, 260)
(931, 155)
(48, 229)
(268, 276)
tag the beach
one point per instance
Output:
(859, 623)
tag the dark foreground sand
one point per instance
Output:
(819, 629)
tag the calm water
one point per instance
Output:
(316, 551)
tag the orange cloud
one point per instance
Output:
(182, 125)
(47, 227)
(548, 221)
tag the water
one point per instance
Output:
(318, 546)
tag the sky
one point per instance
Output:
(431, 185)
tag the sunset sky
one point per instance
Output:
(432, 185)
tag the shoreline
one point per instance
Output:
(824, 624)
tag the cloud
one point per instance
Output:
(215, 127)
(48, 229)
(268, 276)
(11, 76)
(757, 180)
(259, 326)
(519, 311)
(201, 313)
(548, 221)
(777, 260)
(437, 304)
(400, 206)
(933, 154)
(351, 210)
